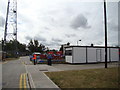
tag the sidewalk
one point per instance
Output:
(38, 79)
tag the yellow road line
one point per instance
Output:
(25, 81)
(22, 82)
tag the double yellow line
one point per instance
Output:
(22, 83)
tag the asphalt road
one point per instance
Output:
(14, 74)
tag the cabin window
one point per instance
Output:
(68, 52)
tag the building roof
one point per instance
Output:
(92, 46)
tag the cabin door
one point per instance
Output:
(98, 55)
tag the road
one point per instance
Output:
(14, 74)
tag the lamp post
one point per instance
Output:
(77, 42)
(105, 22)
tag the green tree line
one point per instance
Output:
(12, 47)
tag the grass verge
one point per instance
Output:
(92, 78)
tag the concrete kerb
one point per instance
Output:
(32, 85)
(29, 79)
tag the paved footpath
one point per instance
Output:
(39, 80)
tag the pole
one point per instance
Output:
(5, 33)
(77, 42)
(16, 43)
(105, 22)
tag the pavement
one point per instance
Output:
(23, 74)
(38, 78)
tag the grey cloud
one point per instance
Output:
(70, 35)
(39, 38)
(46, 43)
(46, 28)
(56, 44)
(119, 16)
(51, 43)
(28, 38)
(56, 40)
(80, 21)
(22, 18)
(2, 22)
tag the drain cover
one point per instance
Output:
(43, 70)
(4, 83)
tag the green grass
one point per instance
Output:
(92, 78)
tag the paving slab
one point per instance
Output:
(38, 79)
(64, 67)
(47, 68)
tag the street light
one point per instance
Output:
(105, 22)
(78, 41)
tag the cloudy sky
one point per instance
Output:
(56, 22)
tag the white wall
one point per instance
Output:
(114, 54)
(68, 59)
(92, 57)
(91, 54)
(68, 48)
(103, 54)
(79, 55)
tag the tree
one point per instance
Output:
(41, 48)
(68, 43)
(61, 48)
(35, 47)
(11, 49)
(31, 46)
(36, 43)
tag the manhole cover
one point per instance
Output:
(4, 84)
(43, 70)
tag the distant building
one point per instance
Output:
(90, 54)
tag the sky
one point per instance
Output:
(57, 22)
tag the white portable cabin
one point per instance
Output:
(90, 54)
